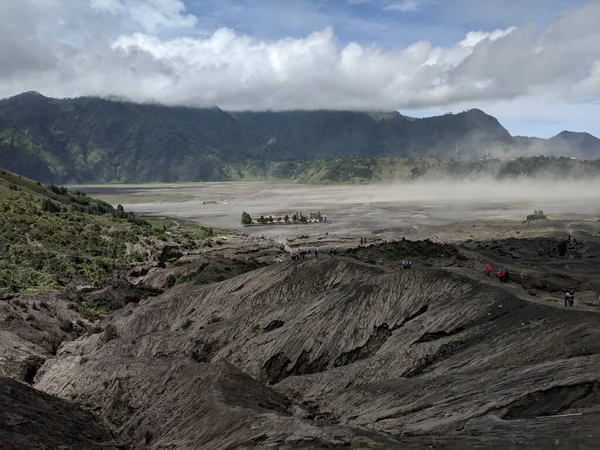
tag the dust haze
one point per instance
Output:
(352, 209)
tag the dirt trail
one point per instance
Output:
(515, 289)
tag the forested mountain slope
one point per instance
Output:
(102, 140)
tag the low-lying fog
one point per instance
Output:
(352, 209)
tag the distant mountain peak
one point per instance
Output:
(475, 112)
(30, 94)
(385, 115)
(577, 136)
(571, 134)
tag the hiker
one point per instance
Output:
(500, 276)
(506, 275)
(571, 298)
(316, 253)
(488, 270)
(381, 260)
(568, 299)
(361, 242)
(409, 264)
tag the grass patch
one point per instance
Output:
(214, 272)
(93, 311)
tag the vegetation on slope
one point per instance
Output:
(214, 271)
(49, 235)
(90, 139)
(362, 170)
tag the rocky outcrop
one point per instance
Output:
(31, 331)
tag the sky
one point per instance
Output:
(533, 64)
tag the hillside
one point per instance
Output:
(89, 139)
(50, 236)
(313, 135)
(581, 145)
(336, 353)
(31, 419)
(587, 144)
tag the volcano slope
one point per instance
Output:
(30, 419)
(335, 353)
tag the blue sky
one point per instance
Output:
(389, 24)
(533, 64)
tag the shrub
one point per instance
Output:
(537, 215)
(170, 282)
(50, 206)
(246, 219)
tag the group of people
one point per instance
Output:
(406, 264)
(502, 275)
(301, 254)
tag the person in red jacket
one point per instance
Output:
(488, 270)
(501, 276)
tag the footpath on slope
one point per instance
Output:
(518, 290)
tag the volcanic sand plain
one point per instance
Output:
(440, 210)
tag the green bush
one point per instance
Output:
(50, 206)
(246, 219)
(537, 215)
(94, 311)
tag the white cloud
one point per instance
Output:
(152, 15)
(475, 37)
(111, 6)
(405, 6)
(235, 71)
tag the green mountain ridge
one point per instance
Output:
(94, 140)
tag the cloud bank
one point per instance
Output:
(134, 49)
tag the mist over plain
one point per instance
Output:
(361, 208)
